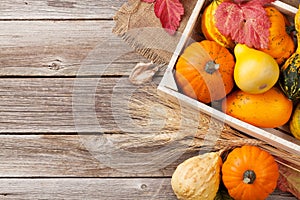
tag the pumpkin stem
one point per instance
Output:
(249, 177)
(211, 67)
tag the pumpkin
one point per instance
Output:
(290, 72)
(198, 177)
(281, 45)
(255, 72)
(267, 110)
(250, 173)
(295, 122)
(205, 71)
(209, 29)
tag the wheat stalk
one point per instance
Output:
(197, 130)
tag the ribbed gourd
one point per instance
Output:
(208, 26)
(290, 72)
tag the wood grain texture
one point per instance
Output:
(110, 189)
(86, 189)
(66, 9)
(45, 44)
(59, 9)
(60, 48)
(54, 165)
(67, 156)
(31, 105)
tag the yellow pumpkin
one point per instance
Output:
(295, 122)
(255, 72)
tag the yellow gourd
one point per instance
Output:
(198, 177)
(208, 26)
(295, 122)
(255, 72)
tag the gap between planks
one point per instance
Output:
(138, 188)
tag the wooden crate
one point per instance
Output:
(278, 138)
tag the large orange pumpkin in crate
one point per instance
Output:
(205, 71)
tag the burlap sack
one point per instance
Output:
(137, 15)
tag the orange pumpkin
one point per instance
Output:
(268, 110)
(281, 44)
(250, 173)
(205, 71)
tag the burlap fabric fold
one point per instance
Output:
(132, 23)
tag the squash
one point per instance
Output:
(208, 26)
(281, 45)
(250, 173)
(267, 110)
(205, 71)
(255, 72)
(289, 79)
(290, 72)
(295, 122)
(198, 177)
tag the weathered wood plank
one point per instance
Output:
(104, 105)
(95, 189)
(66, 9)
(68, 156)
(60, 48)
(86, 189)
(46, 104)
(58, 9)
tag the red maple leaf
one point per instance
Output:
(245, 22)
(169, 12)
(257, 2)
(149, 1)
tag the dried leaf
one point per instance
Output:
(143, 73)
(289, 180)
(245, 23)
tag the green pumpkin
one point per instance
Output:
(290, 77)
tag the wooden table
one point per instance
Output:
(45, 48)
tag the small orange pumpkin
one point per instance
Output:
(205, 71)
(250, 173)
(281, 44)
